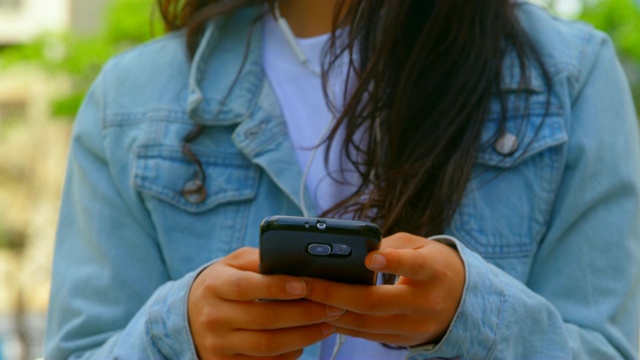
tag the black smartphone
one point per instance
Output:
(330, 249)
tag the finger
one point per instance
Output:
(411, 263)
(434, 259)
(364, 299)
(277, 342)
(245, 258)
(403, 240)
(282, 314)
(232, 284)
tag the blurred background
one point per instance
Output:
(50, 51)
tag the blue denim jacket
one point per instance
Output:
(550, 235)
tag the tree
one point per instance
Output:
(80, 57)
(129, 22)
(621, 20)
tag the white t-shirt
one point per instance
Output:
(308, 118)
(299, 92)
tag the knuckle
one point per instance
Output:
(214, 346)
(245, 250)
(212, 317)
(437, 303)
(432, 303)
(239, 285)
(420, 264)
(239, 256)
(441, 271)
(208, 287)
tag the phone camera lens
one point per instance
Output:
(341, 249)
(319, 249)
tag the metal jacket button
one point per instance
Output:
(506, 144)
(194, 191)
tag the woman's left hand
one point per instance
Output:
(417, 309)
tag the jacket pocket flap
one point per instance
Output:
(522, 137)
(163, 172)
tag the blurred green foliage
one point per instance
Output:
(11, 240)
(80, 57)
(621, 20)
(129, 22)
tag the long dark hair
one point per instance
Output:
(426, 73)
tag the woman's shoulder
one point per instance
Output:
(152, 73)
(152, 56)
(567, 48)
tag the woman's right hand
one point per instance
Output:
(228, 321)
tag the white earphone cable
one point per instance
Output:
(290, 37)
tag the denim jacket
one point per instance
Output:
(549, 233)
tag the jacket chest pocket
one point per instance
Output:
(195, 229)
(507, 204)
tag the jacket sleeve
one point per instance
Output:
(111, 294)
(581, 298)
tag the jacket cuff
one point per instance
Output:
(479, 311)
(168, 322)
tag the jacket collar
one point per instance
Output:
(218, 62)
(261, 132)
(512, 74)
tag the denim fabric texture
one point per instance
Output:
(550, 234)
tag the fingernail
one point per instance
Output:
(378, 261)
(327, 328)
(334, 311)
(296, 287)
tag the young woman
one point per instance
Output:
(496, 146)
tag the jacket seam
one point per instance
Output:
(492, 347)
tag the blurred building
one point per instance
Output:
(33, 150)
(85, 14)
(22, 20)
